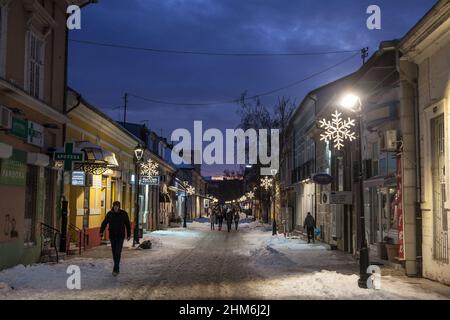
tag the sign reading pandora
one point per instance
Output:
(241, 147)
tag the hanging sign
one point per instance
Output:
(322, 178)
(35, 134)
(78, 178)
(68, 156)
(341, 197)
(150, 180)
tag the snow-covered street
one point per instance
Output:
(196, 263)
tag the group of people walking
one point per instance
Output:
(228, 213)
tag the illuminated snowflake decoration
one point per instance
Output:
(266, 183)
(149, 168)
(337, 130)
(250, 195)
(190, 190)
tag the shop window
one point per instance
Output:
(31, 205)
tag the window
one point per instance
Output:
(34, 65)
(31, 205)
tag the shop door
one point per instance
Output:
(440, 226)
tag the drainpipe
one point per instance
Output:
(315, 157)
(418, 212)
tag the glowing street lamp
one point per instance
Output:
(353, 102)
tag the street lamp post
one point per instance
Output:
(139, 153)
(353, 102)
(185, 210)
(188, 191)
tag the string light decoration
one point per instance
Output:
(266, 183)
(250, 195)
(149, 168)
(337, 130)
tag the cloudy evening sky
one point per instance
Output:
(103, 74)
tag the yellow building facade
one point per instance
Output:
(106, 175)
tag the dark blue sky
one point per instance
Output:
(102, 75)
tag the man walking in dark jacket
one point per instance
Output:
(118, 221)
(310, 224)
(229, 218)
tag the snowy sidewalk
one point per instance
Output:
(196, 263)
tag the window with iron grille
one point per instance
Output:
(34, 65)
(31, 205)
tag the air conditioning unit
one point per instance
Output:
(5, 118)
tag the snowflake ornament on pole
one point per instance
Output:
(337, 130)
(149, 168)
(266, 183)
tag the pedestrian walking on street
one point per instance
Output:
(236, 219)
(118, 222)
(220, 218)
(310, 224)
(212, 219)
(229, 218)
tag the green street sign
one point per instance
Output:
(68, 156)
(13, 171)
(19, 128)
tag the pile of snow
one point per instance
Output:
(5, 288)
(202, 220)
(279, 241)
(268, 256)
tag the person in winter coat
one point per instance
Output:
(229, 218)
(212, 218)
(118, 222)
(220, 218)
(236, 219)
(309, 224)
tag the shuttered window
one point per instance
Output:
(34, 65)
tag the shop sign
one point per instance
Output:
(68, 156)
(151, 181)
(19, 128)
(341, 197)
(13, 171)
(78, 178)
(35, 134)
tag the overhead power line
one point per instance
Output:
(157, 101)
(209, 53)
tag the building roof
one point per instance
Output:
(83, 101)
